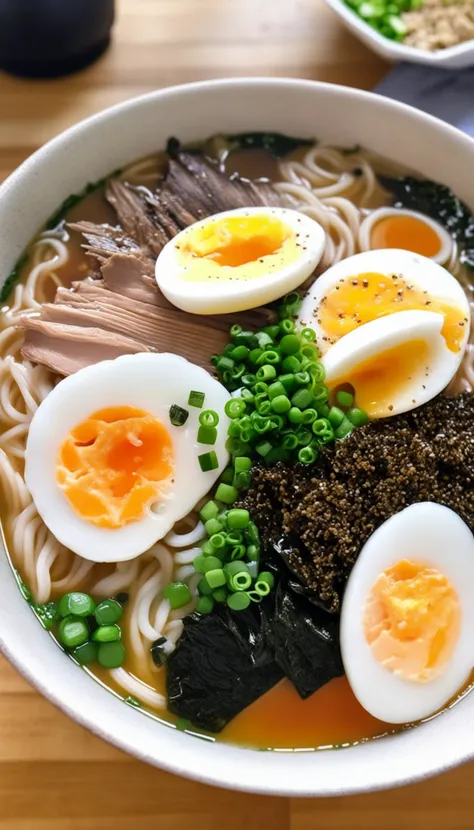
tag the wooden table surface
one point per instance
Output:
(53, 774)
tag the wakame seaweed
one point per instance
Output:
(222, 664)
(440, 203)
(226, 660)
(306, 642)
(13, 277)
(277, 144)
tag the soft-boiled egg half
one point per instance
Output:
(394, 363)
(407, 622)
(239, 259)
(389, 227)
(112, 464)
(392, 324)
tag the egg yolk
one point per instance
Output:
(115, 465)
(364, 297)
(412, 620)
(406, 232)
(237, 247)
(380, 379)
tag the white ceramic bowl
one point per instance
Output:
(455, 57)
(92, 149)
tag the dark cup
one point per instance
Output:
(48, 38)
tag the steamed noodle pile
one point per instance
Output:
(334, 188)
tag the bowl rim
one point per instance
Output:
(180, 763)
(400, 50)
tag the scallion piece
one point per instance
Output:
(178, 415)
(196, 399)
(207, 435)
(226, 493)
(208, 461)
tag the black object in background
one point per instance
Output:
(49, 38)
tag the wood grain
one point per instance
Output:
(53, 774)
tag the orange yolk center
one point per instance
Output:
(378, 380)
(114, 465)
(412, 620)
(238, 240)
(365, 297)
(406, 232)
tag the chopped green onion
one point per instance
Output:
(207, 435)
(73, 631)
(238, 601)
(335, 416)
(344, 429)
(205, 605)
(306, 455)
(240, 353)
(213, 526)
(208, 461)
(242, 464)
(111, 655)
(216, 578)
(358, 417)
(291, 364)
(255, 355)
(275, 389)
(234, 408)
(271, 356)
(287, 326)
(107, 634)
(108, 612)
(196, 399)
(227, 475)
(253, 553)
(86, 653)
(209, 511)
(217, 541)
(344, 398)
(308, 335)
(281, 404)
(204, 589)
(268, 577)
(210, 562)
(77, 603)
(178, 415)
(302, 398)
(308, 416)
(290, 344)
(226, 493)
(236, 330)
(263, 448)
(220, 594)
(252, 533)
(240, 582)
(266, 372)
(208, 418)
(237, 552)
(238, 519)
(262, 588)
(177, 594)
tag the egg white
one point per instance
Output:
(419, 271)
(227, 296)
(152, 382)
(436, 536)
(423, 381)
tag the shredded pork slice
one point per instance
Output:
(121, 310)
(67, 348)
